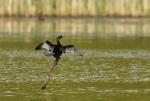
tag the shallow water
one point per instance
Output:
(113, 68)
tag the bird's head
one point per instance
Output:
(59, 37)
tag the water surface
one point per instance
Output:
(115, 65)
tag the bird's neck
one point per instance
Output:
(58, 42)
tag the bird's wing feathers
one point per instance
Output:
(50, 44)
(68, 49)
(46, 46)
(39, 46)
(71, 49)
(69, 46)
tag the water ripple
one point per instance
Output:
(112, 65)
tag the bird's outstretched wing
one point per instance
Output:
(71, 49)
(48, 46)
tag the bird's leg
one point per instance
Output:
(52, 69)
(50, 72)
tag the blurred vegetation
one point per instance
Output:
(75, 8)
(77, 27)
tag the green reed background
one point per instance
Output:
(74, 7)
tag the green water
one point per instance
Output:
(115, 66)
